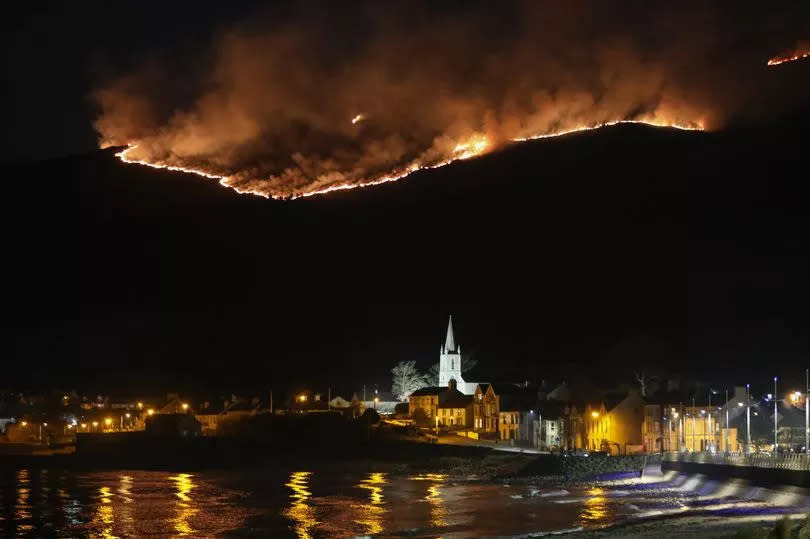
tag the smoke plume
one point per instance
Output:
(366, 93)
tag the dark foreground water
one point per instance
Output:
(301, 503)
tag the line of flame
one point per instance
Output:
(777, 60)
(473, 147)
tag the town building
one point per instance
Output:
(614, 424)
(549, 426)
(423, 404)
(456, 410)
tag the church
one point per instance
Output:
(450, 363)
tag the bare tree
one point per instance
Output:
(644, 380)
(407, 379)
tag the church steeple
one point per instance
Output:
(450, 340)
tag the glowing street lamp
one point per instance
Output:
(185, 406)
(594, 414)
(140, 406)
(302, 398)
(24, 423)
(775, 418)
(150, 411)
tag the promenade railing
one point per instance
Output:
(782, 461)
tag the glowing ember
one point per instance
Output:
(473, 146)
(359, 118)
(802, 50)
(697, 126)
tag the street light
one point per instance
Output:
(747, 419)
(775, 419)
(596, 414)
(140, 406)
(150, 411)
(24, 423)
(302, 398)
(185, 406)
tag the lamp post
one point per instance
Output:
(807, 412)
(775, 418)
(747, 419)
(727, 450)
(694, 424)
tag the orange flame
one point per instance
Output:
(801, 51)
(358, 118)
(473, 146)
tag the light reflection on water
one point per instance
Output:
(308, 504)
(22, 513)
(302, 515)
(185, 510)
(370, 515)
(595, 510)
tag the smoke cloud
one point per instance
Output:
(364, 93)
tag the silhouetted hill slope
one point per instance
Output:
(550, 252)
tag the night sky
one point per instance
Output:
(581, 257)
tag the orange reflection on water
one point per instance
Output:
(22, 513)
(438, 512)
(595, 510)
(370, 515)
(126, 509)
(185, 509)
(104, 519)
(300, 511)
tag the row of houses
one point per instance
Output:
(618, 423)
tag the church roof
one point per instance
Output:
(450, 340)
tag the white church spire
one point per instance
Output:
(450, 340)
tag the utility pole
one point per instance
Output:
(775, 419)
(329, 399)
(271, 402)
(709, 420)
(807, 412)
(727, 421)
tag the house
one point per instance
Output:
(174, 405)
(614, 424)
(423, 404)
(515, 411)
(339, 403)
(548, 427)
(209, 414)
(456, 410)
(503, 411)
